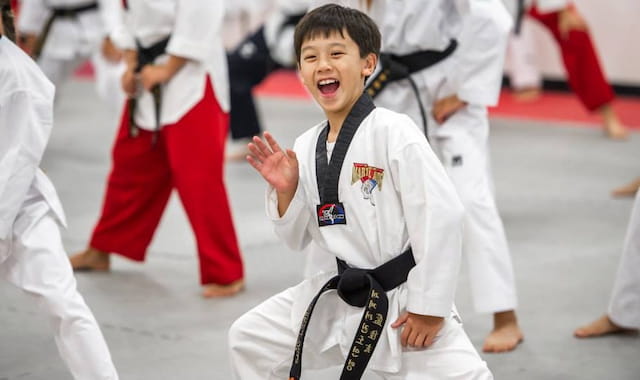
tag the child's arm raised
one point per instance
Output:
(278, 167)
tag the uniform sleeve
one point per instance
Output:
(433, 214)
(25, 124)
(111, 14)
(293, 226)
(120, 28)
(546, 6)
(32, 16)
(479, 60)
(197, 27)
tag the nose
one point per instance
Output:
(324, 64)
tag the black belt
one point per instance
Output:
(361, 288)
(397, 67)
(146, 56)
(58, 12)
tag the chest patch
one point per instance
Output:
(369, 177)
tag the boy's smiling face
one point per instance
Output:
(333, 71)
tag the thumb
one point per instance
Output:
(400, 321)
(292, 155)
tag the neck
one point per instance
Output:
(337, 119)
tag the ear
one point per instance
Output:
(370, 62)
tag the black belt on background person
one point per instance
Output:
(146, 56)
(397, 67)
(56, 13)
(364, 288)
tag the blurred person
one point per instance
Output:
(171, 135)
(442, 64)
(579, 56)
(32, 256)
(623, 314)
(268, 49)
(394, 235)
(63, 34)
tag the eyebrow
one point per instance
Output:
(333, 44)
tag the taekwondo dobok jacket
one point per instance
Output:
(396, 194)
(69, 38)
(194, 30)
(26, 118)
(480, 27)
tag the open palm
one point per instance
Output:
(278, 167)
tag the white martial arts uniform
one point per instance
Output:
(521, 64)
(473, 72)
(624, 306)
(149, 22)
(413, 203)
(279, 38)
(72, 41)
(31, 253)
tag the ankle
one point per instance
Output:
(504, 318)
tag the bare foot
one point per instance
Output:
(529, 94)
(599, 327)
(91, 259)
(614, 129)
(217, 290)
(506, 334)
(628, 190)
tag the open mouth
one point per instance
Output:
(328, 86)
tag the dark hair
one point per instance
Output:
(7, 19)
(332, 18)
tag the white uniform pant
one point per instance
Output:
(38, 264)
(107, 76)
(462, 146)
(262, 341)
(624, 307)
(521, 59)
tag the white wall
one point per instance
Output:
(615, 28)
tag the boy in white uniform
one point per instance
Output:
(78, 31)
(624, 306)
(31, 253)
(454, 52)
(366, 188)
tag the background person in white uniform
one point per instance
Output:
(365, 181)
(623, 314)
(454, 94)
(72, 40)
(31, 253)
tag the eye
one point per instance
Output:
(309, 57)
(337, 53)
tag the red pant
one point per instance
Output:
(188, 156)
(581, 62)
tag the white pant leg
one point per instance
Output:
(262, 341)
(624, 306)
(39, 265)
(108, 83)
(451, 357)
(462, 144)
(521, 62)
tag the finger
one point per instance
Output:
(256, 164)
(428, 340)
(419, 341)
(262, 147)
(273, 144)
(412, 338)
(405, 335)
(257, 153)
(400, 321)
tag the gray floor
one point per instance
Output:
(552, 184)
